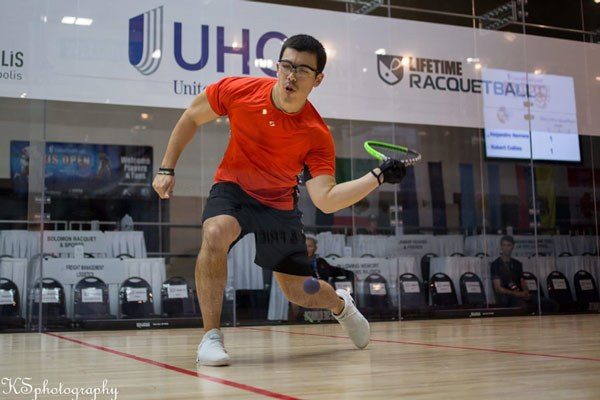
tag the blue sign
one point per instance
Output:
(86, 170)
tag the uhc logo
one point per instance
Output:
(146, 40)
(390, 68)
(146, 45)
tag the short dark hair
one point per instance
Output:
(507, 238)
(314, 239)
(308, 44)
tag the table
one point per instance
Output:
(525, 245)
(405, 245)
(370, 245)
(63, 243)
(20, 243)
(419, 245)
(26, 244)
(121, 242)
(584, 244)
(330, 243)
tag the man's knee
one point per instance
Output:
(212, 236)
(219, 233)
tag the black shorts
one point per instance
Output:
(279, 235)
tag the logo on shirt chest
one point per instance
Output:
(264, 112)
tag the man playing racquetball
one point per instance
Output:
(275, 133)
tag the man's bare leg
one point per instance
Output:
(338, 301)
(211, 277)
(293, 288)
(211, 266)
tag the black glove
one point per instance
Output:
(393, 171)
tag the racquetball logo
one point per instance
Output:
(434, 74)
(146, 40)
(390, 68)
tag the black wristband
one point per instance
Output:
(166, 171)
(377, 176)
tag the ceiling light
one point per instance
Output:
(68, 20)
(329, 50)
(84, 21)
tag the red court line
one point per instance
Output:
(444, 346)
(189, 372)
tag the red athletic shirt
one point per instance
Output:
(269, 148)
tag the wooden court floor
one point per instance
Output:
(551, 357)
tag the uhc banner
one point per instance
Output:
(163, 53)
(87, 170)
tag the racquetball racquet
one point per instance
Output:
(382, 151)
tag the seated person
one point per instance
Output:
(507, 277)
(509, 286)
(321, 270)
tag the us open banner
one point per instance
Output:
(86, 170)
(162, 53)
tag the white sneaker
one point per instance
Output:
(353, 322)
(211, 350)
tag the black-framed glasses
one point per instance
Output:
(301, 71)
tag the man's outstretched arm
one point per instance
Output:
(198, 113)
(330, 197)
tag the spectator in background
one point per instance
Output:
(321, 270)
(509, 286)
(507, 277)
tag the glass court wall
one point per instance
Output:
(87, 244)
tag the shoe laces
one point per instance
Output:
(212, 338)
